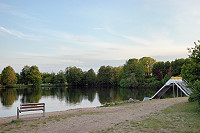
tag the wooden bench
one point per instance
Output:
(30, 107)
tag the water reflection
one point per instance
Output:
(72, 95)
(8, 96)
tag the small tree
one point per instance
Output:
(34, 76)
(8, 76)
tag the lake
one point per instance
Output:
(58, 99)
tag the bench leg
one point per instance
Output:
(17, 113)
(43, 113)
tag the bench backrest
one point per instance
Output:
(31, 106)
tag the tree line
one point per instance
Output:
(135, 72)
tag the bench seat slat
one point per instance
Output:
(31, 104)
(24, 110)
(27, 107)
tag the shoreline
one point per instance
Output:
(83, 110)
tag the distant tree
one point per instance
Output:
(8, 76)
(74, 76)
(34, 76)
(24, 79)
(90, 77)
(60, 78)
(148, 64)
(48, 77)
(161, 69)
(104, 75)
(0, 78)
(157, 70)
(133, 73)
(116, 75)
(176, 66)
(18, 78)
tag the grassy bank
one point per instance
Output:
(183, 117)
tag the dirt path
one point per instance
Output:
(88, 119)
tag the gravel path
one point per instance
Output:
(88, 119)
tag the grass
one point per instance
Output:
(183, 117)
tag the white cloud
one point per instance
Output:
(64, 48)
(98, 28)
(19, 34)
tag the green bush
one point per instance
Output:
(195, 95)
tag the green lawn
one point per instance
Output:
(183, 117)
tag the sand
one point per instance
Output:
(87, 119)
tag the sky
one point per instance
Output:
(55, 34)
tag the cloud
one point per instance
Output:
(136, 39)
(98, 28)
(19, 34)
(33, 54)
(64, 47)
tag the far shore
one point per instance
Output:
(89, 119)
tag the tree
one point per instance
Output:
(133, 73)
(116, 75)
(176, 66)
(191, 70)
(23, 74)
(74, 76)
(195, 52)
(195, 95)
(104, 75)
(160, 69)
(8, 76)
(34, 76)
(148, 64)
(48, 77)
(18, 78)
(90, 77)
(60, 78)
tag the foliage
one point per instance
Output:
(176, 66)
(74, 76)
(23, 74)
(195, 95)
(195, 52)
(133, 73)
(48, 77)
(60, 78)
(34, 76)
(160, 69)
(8, 96)
(191, 70)
(148, 64)
(90, 77)
(8, 76)
(105, 75)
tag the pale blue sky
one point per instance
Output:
(90, 33)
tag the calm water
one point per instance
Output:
(57, 99)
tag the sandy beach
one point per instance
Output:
(87, 119)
